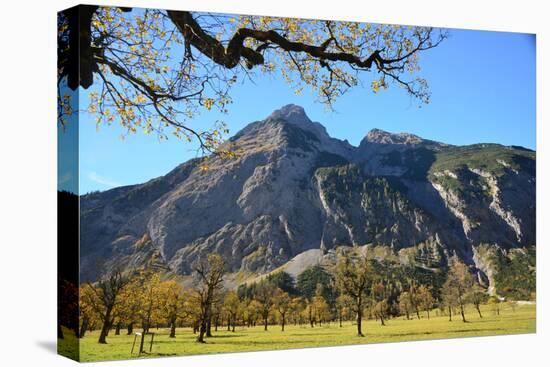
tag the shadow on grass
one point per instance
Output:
(225, 336)
(317, 334)
(165, 354)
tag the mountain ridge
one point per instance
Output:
(294, 189)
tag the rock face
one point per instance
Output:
(293, 188)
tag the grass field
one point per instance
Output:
(510, 321)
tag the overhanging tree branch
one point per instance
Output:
(134, 58)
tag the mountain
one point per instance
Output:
(293, 189)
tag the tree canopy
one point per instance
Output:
(153, 70)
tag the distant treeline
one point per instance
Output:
(395, 279)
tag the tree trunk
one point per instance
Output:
(450, 314)
(479, 311)
(83, 327)
(209, 327)
(202, 331)
(203, 322)
(103, 334)
(462, 313)
(283, 323)
(117, 330)
(428, 313)
(130, 328)
(265, 322)
(234, 320)
(359, 331)
(173, 327)
(105, 328)
(142, 341)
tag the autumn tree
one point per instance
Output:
(343, 303)
(193, 309)
(296, 308)
(173, 298)
(477, 297)
(458, 285)
(414, 297)
(88, 314)
(353, 276)
(282, 304)
(380, 310)
(149, 295)
(153, 70)
(309, 312)
(242, 311)
(425, 299)
(145, 295)
(209, 271)
(494, 302)
(405, 305)
(320, 305)
(231, 305)
(103, 298)
(265, 296)
(449, 297)
(129, 306)
(254, 309)
(217, 314)
(379, 301)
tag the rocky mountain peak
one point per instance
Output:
(289, 126)
(379, 136)
(290, 113)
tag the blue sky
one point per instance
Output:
(483, 90)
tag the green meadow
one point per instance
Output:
(512, 320)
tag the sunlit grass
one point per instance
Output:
(510, 321)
